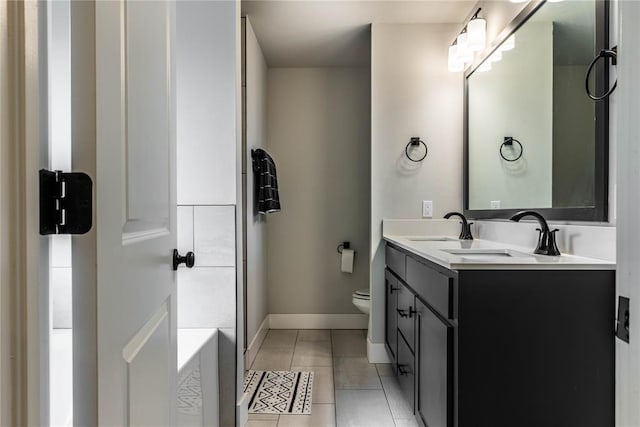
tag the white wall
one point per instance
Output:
(519, 86)
(412, 94)
(318, 134)
(207, 82)
(255, 86)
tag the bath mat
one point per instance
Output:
(279, 392)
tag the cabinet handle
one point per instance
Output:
(391, 289)
(402, 313)
(412, 311)
(402, 370)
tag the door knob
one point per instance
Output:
(189, 259)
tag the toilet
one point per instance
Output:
(362, 300)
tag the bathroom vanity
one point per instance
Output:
(481, 334)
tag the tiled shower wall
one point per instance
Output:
(206, 292)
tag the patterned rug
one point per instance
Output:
(279, 392)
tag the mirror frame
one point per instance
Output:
(600, 211)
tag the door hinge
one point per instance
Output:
(622, 324)
(66, 205)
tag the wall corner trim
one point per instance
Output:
(256, 343)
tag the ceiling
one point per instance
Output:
(334, 33)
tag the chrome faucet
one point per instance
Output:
(546, 237)
(465, 234)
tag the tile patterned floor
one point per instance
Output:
(348, 391)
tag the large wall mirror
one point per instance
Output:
(533, 138)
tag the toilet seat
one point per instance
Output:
(362, 294)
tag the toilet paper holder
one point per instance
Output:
(344, 245)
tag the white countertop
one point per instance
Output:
(520, 259)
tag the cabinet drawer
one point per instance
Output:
(406, 313)
(406, 372)
(433, 286)
(396, 261)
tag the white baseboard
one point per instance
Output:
(377, 352)
(318, 321)
(256, 342)
(242, 410)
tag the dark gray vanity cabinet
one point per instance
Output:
(502, 348)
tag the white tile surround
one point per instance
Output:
(214, 236)
(204, 291)
(203, 297)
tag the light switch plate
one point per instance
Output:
(495, 204)
(427, 209)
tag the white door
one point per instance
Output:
(135, 213)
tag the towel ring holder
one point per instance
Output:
(508, 141)
(604, 54)
(414, 142)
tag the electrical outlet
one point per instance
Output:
(495, 204)
(427, 209)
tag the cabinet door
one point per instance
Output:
(434, 369)
(406, 314)
(391, 317)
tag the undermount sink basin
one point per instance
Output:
(487, 254)
(432, 239)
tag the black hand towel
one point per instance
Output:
(264, 168)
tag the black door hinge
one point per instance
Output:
(622, 324)
(66, 205)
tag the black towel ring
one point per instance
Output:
(604, 53)
(414, 142)
(508, 141)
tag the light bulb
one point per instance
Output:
(455, 65)
(485, 66)
(463, 52)
(496, 56)
(509, 43)
(476, 34)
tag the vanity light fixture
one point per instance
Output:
(455, 65)
(509, 43)
(463, 52)
(485, 66)
(471, 39)
(477, 32)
